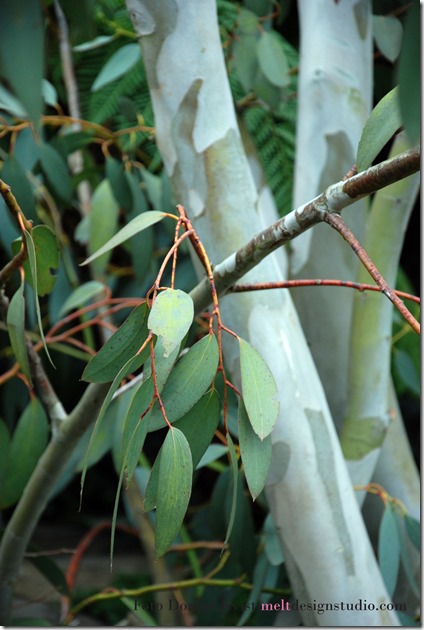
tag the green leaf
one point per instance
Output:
(234, 470)
(272, 59)
(187, 382)
(259, 577)
(389, 549)
(200, 424)
(135, 430)
(32, 258)
(115, 172)
(246, 60)
(82, 295)
(103, 219)
(28, 443)
(259, 390)
(212, 453)
(120, 62)
(413, 530)
(15, 176)
(97, 42)
(133, 227)
(56, 171)
(388, 35)
(119, 349)
(384, 121)
(406, 370)
(174, 488)
(4, 453)
(411, 569)
(272, 542)
(22, 52)
(47, 257)
(171, 317)
(50, 569)
(16, 329)
(409, 74)
(255, 453)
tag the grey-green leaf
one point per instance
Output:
(174, 488)
(383, 122)
(255, 453)
(413, 529)
(56, 171)
(259, 390)
(103, 220)
(123, 345)
(188, 381)
(16, 329)
(171, 317)
(135, 226)
(388, 33)
(81, 295)
(389, 549)
(120, 62)
(272, 59)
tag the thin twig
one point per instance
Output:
(340, 226)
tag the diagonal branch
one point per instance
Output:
(331, 201)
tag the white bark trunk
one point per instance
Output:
(329, 557)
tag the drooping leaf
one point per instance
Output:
(259, 390)
(272, 59)
(171, 317)
(49, 569)
(56, 171)
(81, 295)
(32, 259)
(123, 345)
(409, 74)
(406, 370)
(383, 122)
(136, 429)
(259, 577)
(388, 33)
(174, 488)
(200, 424)
(410, 568)
(4, 453)
(116, 175)
(246, 60)
(27, 445)
(188, 381)
(22, 66)
(103, 219)
(234, 471)
(413, 529)
(133, 227)
(120, 62)
(272, 542)
(389, 549)
(255, 453)
(47, 256)
(16, 329)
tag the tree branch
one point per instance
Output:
(332, 201)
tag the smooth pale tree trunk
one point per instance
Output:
(327, 549)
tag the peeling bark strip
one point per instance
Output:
(322, 208)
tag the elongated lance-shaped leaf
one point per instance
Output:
(123, 345)
(199, 426)
(171, 317)
(259, 390)
(174, 488)
(413, 529)
(33, 264)
(405, 555)
(234, 470)
(389, 549)
(255, 453)
(132, 364)
(47, 256)
(188, 381)
(82, 295)
(136, 428)
(384, 121)
(135, 226)
(16, 329)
